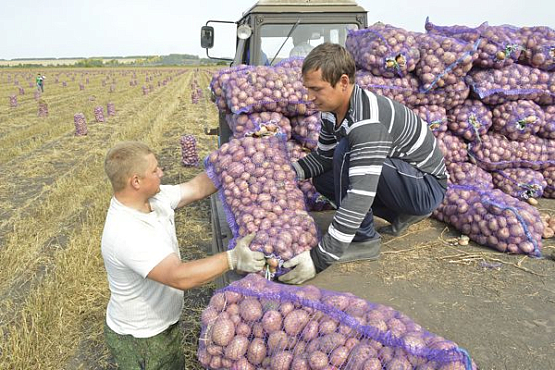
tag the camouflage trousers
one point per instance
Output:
(160, 352)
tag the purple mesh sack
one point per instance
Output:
(517, 120)
(466, 173)
(80, 124)
(99, 114)
(258, 324)
(13, 101)
(470, 120)
(539, 43)
(264, 88)
(306, 130)
(521, 183)
(291, 62)
(495, 152)
(259, 124)
(259, 193)
(452, 147)
(493, 218)
(515, 82)
(499, 46)
(464, 33)
(189, 154)
(218, 81)
(406, 90)
(549, 177)
(444, 60)
(547, 130)
(384, 50)
(434, 115)
(314, 200)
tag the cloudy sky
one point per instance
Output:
(88, 28)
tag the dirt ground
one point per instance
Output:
(499, 307)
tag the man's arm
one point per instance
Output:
(186, 275)
(198, 188)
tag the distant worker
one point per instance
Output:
(40, 82)
(302, 47)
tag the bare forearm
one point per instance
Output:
(199, 272)
(197, 188)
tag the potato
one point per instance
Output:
(398, 363)
(223, 332)
(295, 321)
(242, 364)
(250, 309)
(281, 361)
(237, 348)
(272, 321)
(256, 351)
(317, 360)
(339, 355)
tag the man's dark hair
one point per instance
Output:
(333, 60)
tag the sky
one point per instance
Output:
(89, 28)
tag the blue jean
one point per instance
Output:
(402, 189)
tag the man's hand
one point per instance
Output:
(303, 269)
(243, 259)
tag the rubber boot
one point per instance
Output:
(401, 224)
(360, 251)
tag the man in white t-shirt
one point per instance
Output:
(301, 45)
(141, 254)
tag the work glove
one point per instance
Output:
(243, 259)
(303, 269)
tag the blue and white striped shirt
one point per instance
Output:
(376, 128)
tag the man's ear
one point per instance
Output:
(135, 182)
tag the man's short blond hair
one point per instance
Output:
(124, 160)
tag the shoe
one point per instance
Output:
(359, 251)
(401, 224)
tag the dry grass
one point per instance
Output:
(52, 283)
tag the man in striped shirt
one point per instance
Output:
(374, 156)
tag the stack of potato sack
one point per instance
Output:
(271, 100)
(258, 324)
(488, 94)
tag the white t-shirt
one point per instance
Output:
(301, 50)
(133, 243)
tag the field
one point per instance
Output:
(54, 196)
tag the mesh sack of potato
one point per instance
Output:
(539, 47)
(517, 120)
(514, 82)
(444, 60)
(406, 90)
(496, 152)
(434, 115)
(314, 200)
(258, 124)
(259, 192)
(469, 120)
(547, 130)
(258, 324)
(466, 173)
(521, 183)
(549, 176)
(189, 153)
(218, 81)
(454, 149)
(492, 218)
(306, 130)
(266, 88)
(384, 50)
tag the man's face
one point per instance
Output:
(150, 182)
(325, 97)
